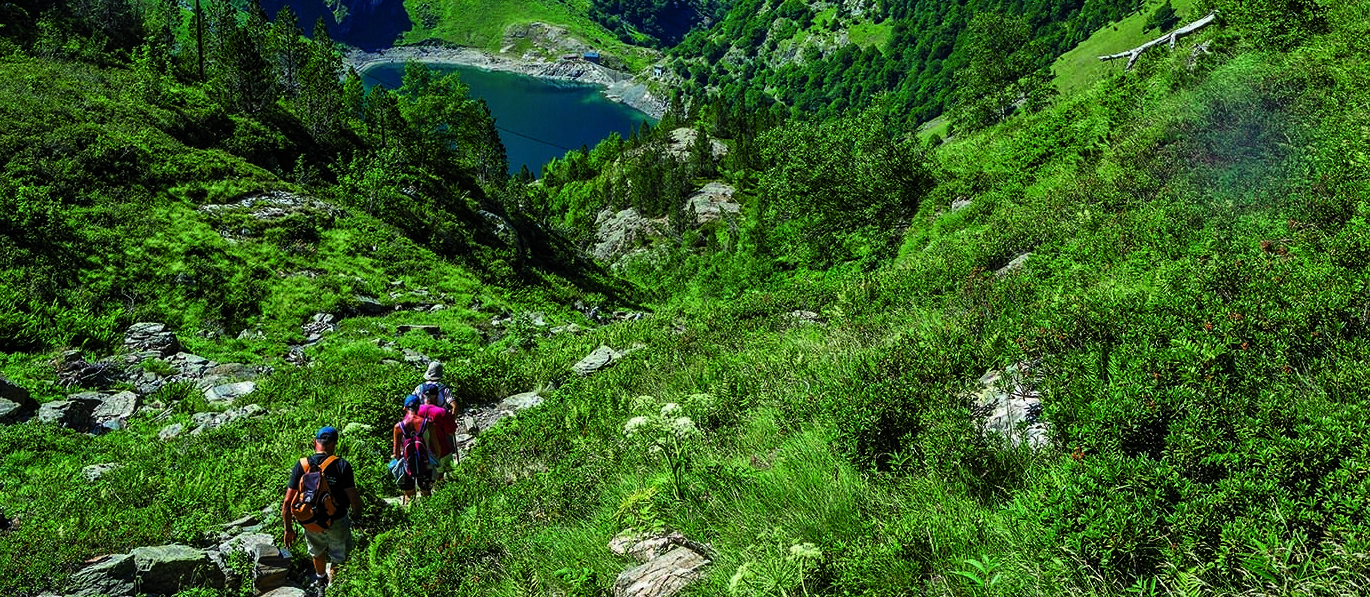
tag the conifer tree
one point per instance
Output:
(320, 103)
(240, 75)
(490, 160)
(354, 95)
(288, 50)
(701, 152)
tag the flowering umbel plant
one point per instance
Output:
(667, 435)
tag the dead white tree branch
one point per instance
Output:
(1170, 38)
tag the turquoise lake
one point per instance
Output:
(538, 119)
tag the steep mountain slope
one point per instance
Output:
(1161, 278)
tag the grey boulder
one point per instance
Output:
(116, 407)
(15, 402)
(93, 472)
(165, 569)
(231, 391)
(75, 413)
(662, 576)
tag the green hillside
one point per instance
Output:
(1081, 67)
(1113, 345)
(488, 24)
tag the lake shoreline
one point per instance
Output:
(617, 85)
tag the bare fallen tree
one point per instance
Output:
(1170, 38)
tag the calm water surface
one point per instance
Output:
(538, 119)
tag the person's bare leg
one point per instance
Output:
(320, 562)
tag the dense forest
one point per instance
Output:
(1163, 272)
(655, 23)
(784, 51)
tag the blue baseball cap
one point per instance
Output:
(411, 402)
(327, 435)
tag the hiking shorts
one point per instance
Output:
(336, 542)
(408, 483)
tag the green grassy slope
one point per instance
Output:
(1193, 309)
(484, 23)
(1080, 67)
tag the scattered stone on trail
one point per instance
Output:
(74, 413)
(601, 358)
(431, 330)
(522, 401)
(93, 472)
(248, 520)
(1013, 266)
(75, 371)
(415, 357)
(153, 337)
(960, 204)
(570, 328)
(191, 366)
(229, 392)
(645, 546)
(713, 202)
(16, 404)
(662, 576)
(170, 432)
(369, 306)
(208, 421)
(118, 407)
(1009, 406)
(319, 324)
(252, 334)
(167, 569)
(270, 566)
(286, 592)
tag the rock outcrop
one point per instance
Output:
(601, 358)
(1009, 406)
(151, 337)
(165, 570)
(76, 413)
(270, 565)
(15, 402)
(618, 232)
(713, 202)
(662, 576)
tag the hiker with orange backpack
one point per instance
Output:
(318, 496)
(411, 444)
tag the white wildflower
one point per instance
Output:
(670, 409)
(805, 551)
(633, 425)
(683, 426)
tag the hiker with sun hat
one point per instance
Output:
(432, 381)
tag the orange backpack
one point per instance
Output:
(314, 507)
